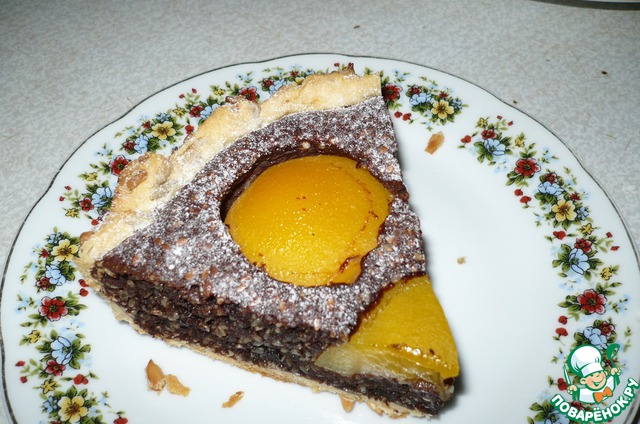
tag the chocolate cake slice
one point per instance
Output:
(174, 254)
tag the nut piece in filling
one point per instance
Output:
(309, 221)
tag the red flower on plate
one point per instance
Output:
(561, 331)
(583, 244)
(53, 308)
(120, 420)
(80, 379)
(527, 167)
(43, 283)
(249, 93)
(466, 139)
(551, 177)
(488, 134)
(525, 199)
(195, 111)
(54, 368)
(86, 204)
(391, 92)
(118, 164)
(129, 146)
(607, 328)
(592, 302)
(562, 385)
(414, 90)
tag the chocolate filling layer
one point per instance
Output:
(184, 278)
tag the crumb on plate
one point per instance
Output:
(435, 142)
(347, 403)
(233, 399)
(157, 380)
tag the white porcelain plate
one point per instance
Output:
(527, 254)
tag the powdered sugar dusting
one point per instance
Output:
(188, 248)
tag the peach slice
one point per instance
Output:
(309, 221)
(406, 334)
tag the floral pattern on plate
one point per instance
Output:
(579, 247)
(60, 355)
(56, 351)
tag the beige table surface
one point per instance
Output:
(67, 68)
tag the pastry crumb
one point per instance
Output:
(233, 399)
(155, 376)
(347, 403)
(157, 381)
(462, 260)
(435, 142)
(375, 408)
(175, 387)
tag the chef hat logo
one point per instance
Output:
(585, 360)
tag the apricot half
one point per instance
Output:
(310, 221)
(405, 334)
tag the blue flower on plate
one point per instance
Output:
(418, 99)
(494, 147)
(54, 274)
(101, 197)
(456, 104)
(163, 117)
(582, 213)
(50, 404)
(207, 111)
(550, 188)
(578, 261)
(54, 238)
(554, 417)
(62, 350)
(276, 86)
(141, 144)
(595, 337)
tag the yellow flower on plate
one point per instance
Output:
(565, 210)
(34, 336)
(481, 123)
(606, 274)
(91, 176)
(163, 130)
(72, 410)
(49, 385)
(586, 229)
(179, 111)
(64, 251)
(72, 213)
(442, 108)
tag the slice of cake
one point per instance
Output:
(279, 238)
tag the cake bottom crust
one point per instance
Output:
(384, 395)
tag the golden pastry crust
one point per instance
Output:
(151, 180)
